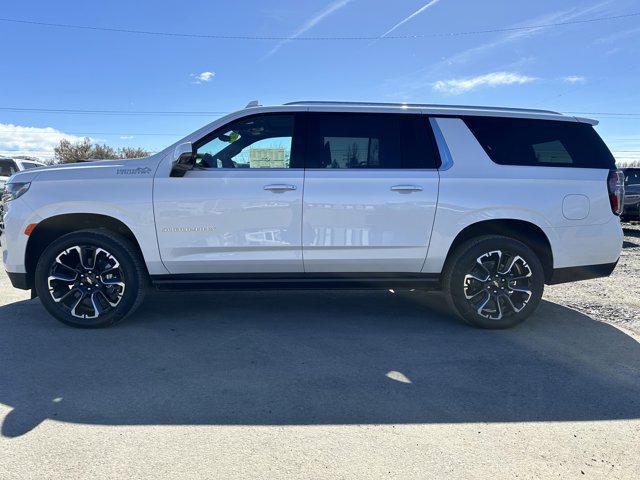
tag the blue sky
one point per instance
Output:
(585, 67)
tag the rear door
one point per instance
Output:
(371, 188)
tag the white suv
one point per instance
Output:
(487, 204)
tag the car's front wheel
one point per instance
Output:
(493, 281)
(90, 278)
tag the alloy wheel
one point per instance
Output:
(498, 284)
(88, 281)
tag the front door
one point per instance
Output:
(239, 210)
(370, 193)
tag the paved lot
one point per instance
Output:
(315, 385)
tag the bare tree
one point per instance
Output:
(67, 152)
(103, 152)
(132, 152)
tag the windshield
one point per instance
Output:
(29, 165)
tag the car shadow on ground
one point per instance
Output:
(284, 358)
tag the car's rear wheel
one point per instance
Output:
(493, 281)
(90, 278)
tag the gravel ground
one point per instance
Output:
(615, 299)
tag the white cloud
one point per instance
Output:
(463, 85)
(31, 141)
(126, 137)
(575, 79)
(616, 37)
(203, 77)
(414, 14)
(522, 33)
(310, 23)
(423, 77)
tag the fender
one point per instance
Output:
(122, 190)
(449, 224)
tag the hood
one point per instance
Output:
(129, 166)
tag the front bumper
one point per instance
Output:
(13, 241)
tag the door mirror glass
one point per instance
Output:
(182, 159)
(183, 153)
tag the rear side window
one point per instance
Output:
(380, 141)
(516, 141)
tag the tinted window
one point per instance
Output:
(514, 141)
(7, 167)
(345, 140)
(261, 141)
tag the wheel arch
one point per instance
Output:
(54, 227)
(526, 232)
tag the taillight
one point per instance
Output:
(615, 184)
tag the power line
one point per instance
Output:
(604, 113)
(76, 111)
(311, 38)
(107, 112)
(58, 132)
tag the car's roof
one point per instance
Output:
(434, 109)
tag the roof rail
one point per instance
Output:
(424, 105)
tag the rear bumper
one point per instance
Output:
(19, 280)
(585, 272)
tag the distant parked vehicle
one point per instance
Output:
(632, 194)
(9, 166)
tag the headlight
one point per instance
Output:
(14, 190)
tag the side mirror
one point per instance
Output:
(183, 157)
(183, 153)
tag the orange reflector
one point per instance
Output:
(29, 229)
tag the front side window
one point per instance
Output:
(380, 141)
(529, 142)
(262, 141)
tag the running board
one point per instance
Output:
(303, 281)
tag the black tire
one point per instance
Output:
(109, 294)
(501, 300)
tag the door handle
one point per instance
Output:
(406, 188)
(279, 187)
